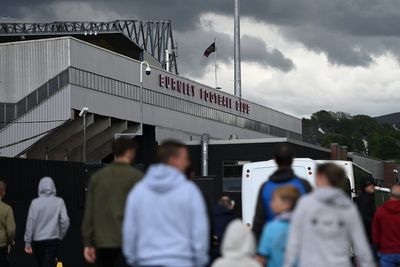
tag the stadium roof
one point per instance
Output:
(127, 37)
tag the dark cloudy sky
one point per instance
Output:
(299, 56)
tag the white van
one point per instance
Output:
(256, 173)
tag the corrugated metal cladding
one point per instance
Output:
(24, 66)
(57, 107)
(97, 60)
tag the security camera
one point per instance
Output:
(148, 70)
(83, 111)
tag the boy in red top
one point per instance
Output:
(386, 229)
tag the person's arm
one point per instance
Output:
(29, 227)
(295, 234)
(129, 230)
(259, 216)
(64, 220)
(376, 230)
(265, 245)
(200, 233)
(359, 240)
(10, 224)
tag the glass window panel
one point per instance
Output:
(10, 112)
(2, 115)
(21, 107)
(64, 78)
(31, 100)
(53, 85)
(42, 93)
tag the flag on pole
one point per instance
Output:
(210, 49)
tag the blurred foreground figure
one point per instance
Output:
(222, 215)
(386, 230)
(274, 237)
(283, 176)
(7, 227)
(105, 205)
(166, 221)
(325, 225)
(238, 247)
(46, 225)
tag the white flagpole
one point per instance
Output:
(215, 67)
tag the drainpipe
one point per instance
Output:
(204, 154)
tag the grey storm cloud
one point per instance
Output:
(342, 29)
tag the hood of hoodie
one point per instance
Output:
(392, 206)
(333, 196)
(238, 242)
(46, 187)
(282, 175)
(162, 178)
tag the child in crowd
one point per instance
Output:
(238, 247)
(271, 250)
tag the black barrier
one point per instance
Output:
(22, 177)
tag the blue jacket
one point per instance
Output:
(282, 177)
(165, 221)
(273, 240)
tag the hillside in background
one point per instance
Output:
(378, 137)
(392, 119)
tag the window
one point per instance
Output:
(31, 100)
(64, 78)
(10, 112)
(21, 107)
(42, 93)
(53, 85)
(232, 176)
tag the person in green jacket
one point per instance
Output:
(105, 205)
(7, 227)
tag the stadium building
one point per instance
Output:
(50, 71)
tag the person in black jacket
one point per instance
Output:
(283, 176)
(366, 204)
(222, 215)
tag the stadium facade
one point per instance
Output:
(48, 74)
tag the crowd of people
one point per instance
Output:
(162, 219)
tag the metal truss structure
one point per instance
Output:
(154, 37)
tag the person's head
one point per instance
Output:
(124, 150)
(284, 156)
(175, 154)
(395, 192)
(368, 184)
(226, 202)
(284, 199)
(2, 189)
(330, 175)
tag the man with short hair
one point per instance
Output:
(366, 204)
(166, 220)
(7, 227)
(105, 205)
(283, 176)
(386, 229)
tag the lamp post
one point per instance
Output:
(148, 72)
(82, 114)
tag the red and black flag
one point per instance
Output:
(210, 49)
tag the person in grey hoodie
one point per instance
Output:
(165, 221)
(46, 225)
(238, 247)
(326, 225)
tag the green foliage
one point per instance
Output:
(359, 133)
